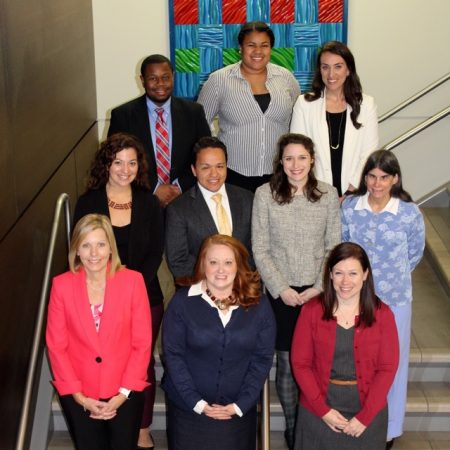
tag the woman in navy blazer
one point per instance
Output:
(218, 343)
(344, 358)
(99, 340)
(118, 188)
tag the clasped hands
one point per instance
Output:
(102, 410)
(338, 423)
(291, 297)
(219, 412)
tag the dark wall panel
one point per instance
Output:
(48, 137)
(50, 84)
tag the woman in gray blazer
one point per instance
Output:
(295, 224)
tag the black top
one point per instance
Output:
(122, 235)
(146, 235)
(263, 101)
(336, 132)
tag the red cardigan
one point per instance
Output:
(98, 363)
(376, 359)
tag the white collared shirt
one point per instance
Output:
(391, 206)
(212, 205)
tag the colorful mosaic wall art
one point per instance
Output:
(203, 35)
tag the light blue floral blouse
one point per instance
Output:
(394, 240)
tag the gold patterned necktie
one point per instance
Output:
(222, 216)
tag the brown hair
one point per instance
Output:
(280, 187)
(84, 226)
(105, 155)
(386, 161)
(247, 284)
(352, 85)
(368, 302)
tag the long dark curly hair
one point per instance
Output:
(105, 155)
(282, 190)
(352, 86)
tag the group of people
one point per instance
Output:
(288, 233)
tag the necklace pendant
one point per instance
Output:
(334, 147)
(221, 304)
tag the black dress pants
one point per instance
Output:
(119, 433)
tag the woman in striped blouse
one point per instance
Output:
(253, 100)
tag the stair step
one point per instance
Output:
(427, 408)
(409, 441)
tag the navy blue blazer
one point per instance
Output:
(188, 126)
(205, 360)
(146, 244)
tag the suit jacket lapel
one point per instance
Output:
(177, 129)
(81, 301)
(236, 210)
(204, 214)
(143, 123)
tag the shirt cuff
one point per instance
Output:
(125, 391)
(200, 406)
(177, 184)
(238, 410)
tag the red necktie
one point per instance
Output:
(162, 149)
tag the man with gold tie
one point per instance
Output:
(209, 207)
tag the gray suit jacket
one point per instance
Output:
(189, 222)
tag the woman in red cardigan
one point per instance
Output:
(344, 358)
(99, 340)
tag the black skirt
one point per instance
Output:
(188, 430)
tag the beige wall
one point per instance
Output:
(399, 45)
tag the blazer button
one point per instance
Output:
(98, 359)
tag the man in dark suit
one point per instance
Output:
(167, 126)
(194, 215)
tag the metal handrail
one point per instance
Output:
(417, 129)
(265, 417)
(444, 187)
(63, 200)
(415, 97)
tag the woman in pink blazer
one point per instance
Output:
(99, 340)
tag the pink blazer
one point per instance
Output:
(98, 363)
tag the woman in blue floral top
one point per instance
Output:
(381, 217)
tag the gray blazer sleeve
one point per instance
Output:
(274, 279)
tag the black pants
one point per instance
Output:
(119, 433)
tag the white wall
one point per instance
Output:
(125, 32)
(400, 46)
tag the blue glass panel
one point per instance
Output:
(230, 35)
(210, 12)
(305, 59)
(210, 59)
(304, 79)
(258, 10)
(186, 36)
(186, 85)
(210, 36)
(307, 35)
(306, 11)
(283, 34)
(331, 32)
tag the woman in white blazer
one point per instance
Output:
(338, 117)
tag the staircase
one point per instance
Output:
(427, 421)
